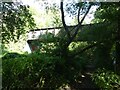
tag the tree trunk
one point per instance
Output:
(118, 45)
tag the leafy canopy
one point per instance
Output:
(16, 21)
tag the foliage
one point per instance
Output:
(38, 70)
(60, 62)
(45, 68)
(95, 32)
(48, 14)
(106, 80)
(16, 21)
(12, 55)
(102, 56)
(47, 36)
(108, 12)
(56, 20)
(29, 72)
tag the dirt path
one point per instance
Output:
(86, 81)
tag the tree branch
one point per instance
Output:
(79, 26)
(79, 14)
(91, 46)
(84, 49)
(63, 20)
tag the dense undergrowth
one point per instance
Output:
(38, 71)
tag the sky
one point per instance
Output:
(36, 5)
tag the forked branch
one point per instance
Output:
(71, 38)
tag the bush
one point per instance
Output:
(106, 80)
(31, 71)
(37, 70)
(12, 55)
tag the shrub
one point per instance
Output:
(106, 80)
(37, 70)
